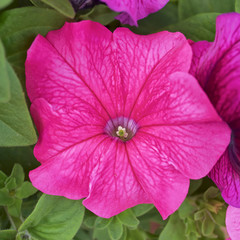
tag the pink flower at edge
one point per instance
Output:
(85, 84)
(134, 10)
(233, 222)
(217, 67)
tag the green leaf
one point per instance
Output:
(208, 226)
(11, 184)
(3, 177)
(199, 27)
(62, 6)
(115, 229)
(3, 4)
(188, 8)
(186, 209)
(211, 193)
(23, 155)
(128, 218)
(194, 186)
(54, 218)
(135, 235)
(220, 216)
(18, 174)
(26, 190)
(8, 234)
(40, 4)
(89, 221)
(175, 229)
(4, 78)
(16, 128)
(14, 209)
(200, 215)
(102, 223)
(166, 16)
(102, 14)
(5, 198)
(142, 209)
(100, 234)
(237, 6)
(19, 27)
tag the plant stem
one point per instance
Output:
(10, 218)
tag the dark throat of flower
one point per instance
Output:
(121, 128)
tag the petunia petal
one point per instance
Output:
(68, 72)
(176, 99)
(217, 69)
(147, 60)
(227, 180)
(156, 175)
(199, 50)
(233, 222)
(114, 186)
(134, 9)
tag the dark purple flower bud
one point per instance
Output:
(83, 4)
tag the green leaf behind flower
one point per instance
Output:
(19, 27)
(188, 8)
(54, 218)
(16, 128)
(4, 78)
(62, 6)
(197, 28)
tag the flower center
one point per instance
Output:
(121, 128)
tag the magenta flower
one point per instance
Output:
(120, 120)
(217, 67)
(233, 222)
(133, 10)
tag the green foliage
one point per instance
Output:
(4, 78)
(13, 190)
(175, 228)
(22, 155)
(62, 6)
(199, 27)
(19, 27)
(8, 234)
(188, 8)
(199, 217)
(128, 218)
(16, 128)
(101, 14)
(5, 3)
(142, 209)
(237, 6)
(54, 218)
(166, 16)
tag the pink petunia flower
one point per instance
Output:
(133, 10)
(233, 222)
(217, 67)
(120, 120)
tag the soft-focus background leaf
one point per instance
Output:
(8, 234)
(237, 6)
(5, 3)
(166, 16)
(197, 28)
(188, 8)
(19, 27)
(16, 128)
(174, 230)
(4, 78)
(22, 155)
(54, 218)
(62, 6)
(102, 14)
